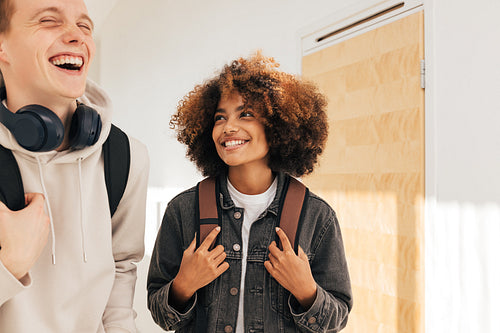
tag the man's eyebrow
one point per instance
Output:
(46, 9)
(87, 18)
(58, 11)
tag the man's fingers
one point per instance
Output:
(34, 198)
(285, 243)
(210, 239)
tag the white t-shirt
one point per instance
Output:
(253, 206)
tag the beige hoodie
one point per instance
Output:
(90, 286)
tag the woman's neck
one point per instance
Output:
(251, 180)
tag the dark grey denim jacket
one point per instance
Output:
(268, 306)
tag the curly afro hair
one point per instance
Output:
(293, 113)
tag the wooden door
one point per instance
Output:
(372, 171)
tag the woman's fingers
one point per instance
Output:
(209, 239)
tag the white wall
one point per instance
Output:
(154, 52)
(463, 163)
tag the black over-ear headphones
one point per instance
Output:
(37, 128)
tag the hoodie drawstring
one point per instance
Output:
(81, 210)
(47, 202)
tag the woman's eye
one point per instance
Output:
(246, 114)
(218, 117)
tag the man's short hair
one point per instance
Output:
(6, 10)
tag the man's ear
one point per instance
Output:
(3, 53)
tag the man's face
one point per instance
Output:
(47, 51)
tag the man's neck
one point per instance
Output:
(62, 107)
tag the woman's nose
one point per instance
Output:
(230, 127)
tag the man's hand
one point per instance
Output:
(23, 234)
(198, 268)
(291, 271)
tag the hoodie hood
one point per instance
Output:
(94, 97)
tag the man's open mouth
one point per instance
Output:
(72, 63)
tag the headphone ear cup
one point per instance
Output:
(85, 127)
(37, 128)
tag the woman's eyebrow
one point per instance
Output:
(221, 110)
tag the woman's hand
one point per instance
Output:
(198, 268)
(291, 271)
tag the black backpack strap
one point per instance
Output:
(207, 209)
(11, 184)
(116, 150)
(292, 209)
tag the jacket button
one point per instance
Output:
(236, 247)
(237, 215)
(170, 315)
(228, 329)
(311, 320)
(233, 291)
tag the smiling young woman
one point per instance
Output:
(251, 128)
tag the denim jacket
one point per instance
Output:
(268, 306)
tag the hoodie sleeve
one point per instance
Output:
(128, 225)
(10, 286)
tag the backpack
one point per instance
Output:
(116, 151)
(292, 203)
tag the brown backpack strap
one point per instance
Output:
(291, 211)
(207, 203)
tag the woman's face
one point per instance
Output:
(238, 134)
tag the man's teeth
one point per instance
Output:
(64, 60)
(234, 143)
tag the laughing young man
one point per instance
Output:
(66, 265)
